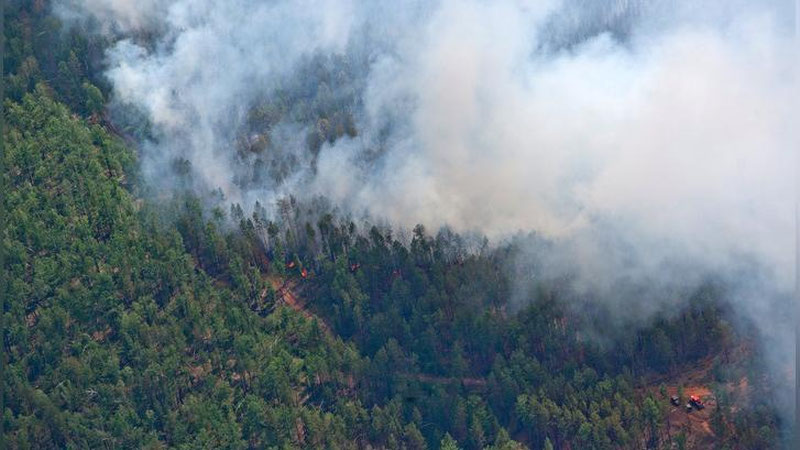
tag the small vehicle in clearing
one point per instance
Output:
(675, 400)
(688, 407)
(696, 402)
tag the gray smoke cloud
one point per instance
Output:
(653, 143)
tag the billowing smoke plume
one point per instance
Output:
(652, 143)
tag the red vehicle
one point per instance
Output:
(304, 273)
(696, 402)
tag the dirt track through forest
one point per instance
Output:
(288, 292)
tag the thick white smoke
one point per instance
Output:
(212, 59)
(652, 141)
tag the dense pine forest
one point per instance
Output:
(136, 319)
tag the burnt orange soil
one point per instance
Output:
(286, 292)
(695, 379)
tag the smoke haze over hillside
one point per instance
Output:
(653, 142)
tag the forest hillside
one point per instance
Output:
(142, 319)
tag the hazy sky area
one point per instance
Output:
(653, 142)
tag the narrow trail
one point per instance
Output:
(288, 292)
(468, 382)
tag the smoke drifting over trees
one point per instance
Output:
(651, 143)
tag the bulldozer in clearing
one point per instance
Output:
(696, 402)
